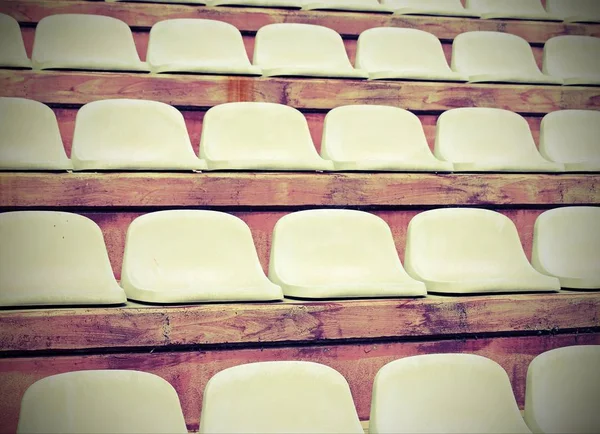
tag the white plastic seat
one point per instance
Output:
(288, 4)
(92, 42)
(12, 48)
(565, 245)
(563, 391)
(101, 401)
(346, 5)
(449, 8)
(217, 48)
(258, 136)
(575, 11)
(463, 250)
(187, 256)
(54, 258)
(570, 137)
(132, 134)
(279, 397)
(373, 137)
(513, 9)
(496, 57)
(331, 253)
(574, 59)
(450, 393)
(29, 137)
(391, 52)
(302, 50)
(477, 139)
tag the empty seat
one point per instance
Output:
(332, 253)
(514, 9)
(496, 57)
(132, 134)
(278, 397)
(258, 136)
(574, 59)
(217, 48)
(302, 50)
(570, 137)
(93, 42)
(477, 139)
(291, 4)
(187, 256)
(346, 5)
(29, 137)
(372, 137)
(563, 391)
(54, 258)
(101, 401)
(450, 8)
(462, 250)
(390, 52)
(575, 10)
(12, 48)
(462, 393)
(565, 245)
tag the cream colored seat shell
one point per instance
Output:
(563, 390)
(574, 59)
(575, 10)
(187, 256)
(12, 48)
(477, 139)
(278, 397)
(570, 137)
(372, 137)
(496, 57)
(566, 245)
(462, 251)
(292, 4)
(129, 134)
(390, 52)
(346, 5)
(258, 136)
(217, 48)
(450, 8)
(29, 137)
(101, 401)
(450, 393)
(302, 50)
(514, 9)
(54, 258)
(332, 253)
(77, 41)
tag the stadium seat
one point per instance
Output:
(51, 258)
(574, 59)
(570, 137)
(12, 49)
(29, 137)
(278, 397)
(346, 5)
(302, 50)
(575, 11)
(258, 136)
(450, 393)
(218, 48)
(101, 401)
(91, 42)
(496, 57)
(288, 4)
(332, 253)
(377, 138)
(513, 9)
(390, 52)
(449, 8)
(477, 139)
(187, 256)
(464, 250)
(127, 134)
(563, 390)
(565, 245)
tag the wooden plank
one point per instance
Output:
(189, 371)
(201, 91)
(249, 20)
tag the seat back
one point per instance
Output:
(12, 48)
(575, 10)
(572, 56)
(427, 5)
(507, 8)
